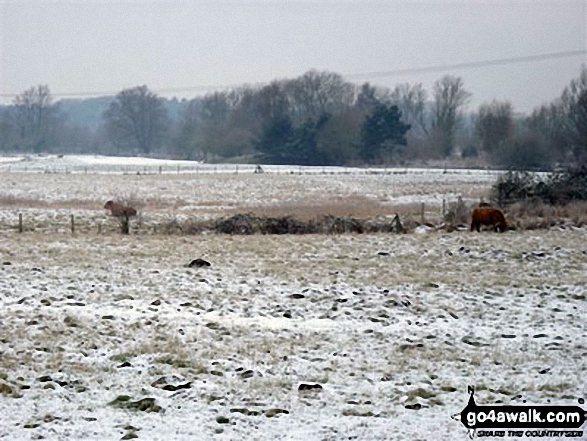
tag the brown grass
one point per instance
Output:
(315, 216)
(150, 204)
(532, 215)
(9, 201)
(356, 206)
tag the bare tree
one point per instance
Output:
(221, 132)
(411, 100)
(187, 143)
(551, 121)
(341, 135)
(215, 108)
(34, 117)
(271, 102)
(367, 98)
(137, 120)
(8, 138)
(317, 93)
(495, 125)
(450, 97)
(574, 103)
(243, 102)
(220, 124)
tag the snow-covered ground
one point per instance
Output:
(88, 163)
(202, 192)
(134, 164)
(392, 328)
(380, 322)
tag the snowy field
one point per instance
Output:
(48, 199)
(380, 322)
(360, 337)
(129, 165)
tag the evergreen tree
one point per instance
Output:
(303, 148)
(282, 143)
(275, 140)
(382, 131)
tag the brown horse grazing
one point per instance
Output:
(120, 210)
(123, 213)
(488, 216)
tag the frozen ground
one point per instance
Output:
(47, 200)
(134, 164)
(380, 322)
(391, 328)
(89, 163)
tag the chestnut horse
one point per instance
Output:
(120, 210)
(488, 216)
(123, 213)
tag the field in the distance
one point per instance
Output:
(47, 196)
(109, 336)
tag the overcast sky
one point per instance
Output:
(105, 46)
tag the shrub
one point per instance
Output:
(559, 188)
(567, 186)
(512, 187)
(527, 151)
(470, 152)
(458, 213)
(245, 224)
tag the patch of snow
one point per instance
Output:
(105, 316)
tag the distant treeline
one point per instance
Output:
(315, 119)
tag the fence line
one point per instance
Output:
(76, 224)
(232, 168)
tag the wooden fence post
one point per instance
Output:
(72, 225)
(422, 213)
(443, 208)
(20, 222)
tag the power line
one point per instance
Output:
(158, 91)
(468, 65)
(356, 76)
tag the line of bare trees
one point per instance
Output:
(315, 119)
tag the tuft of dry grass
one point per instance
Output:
(354, 206)
(532, 215)
(11, 201)
(458, 213)
(577, 212)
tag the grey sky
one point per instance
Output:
(104, 46)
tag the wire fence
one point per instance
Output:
(99, 222)
(231, 168)
(87, 222)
